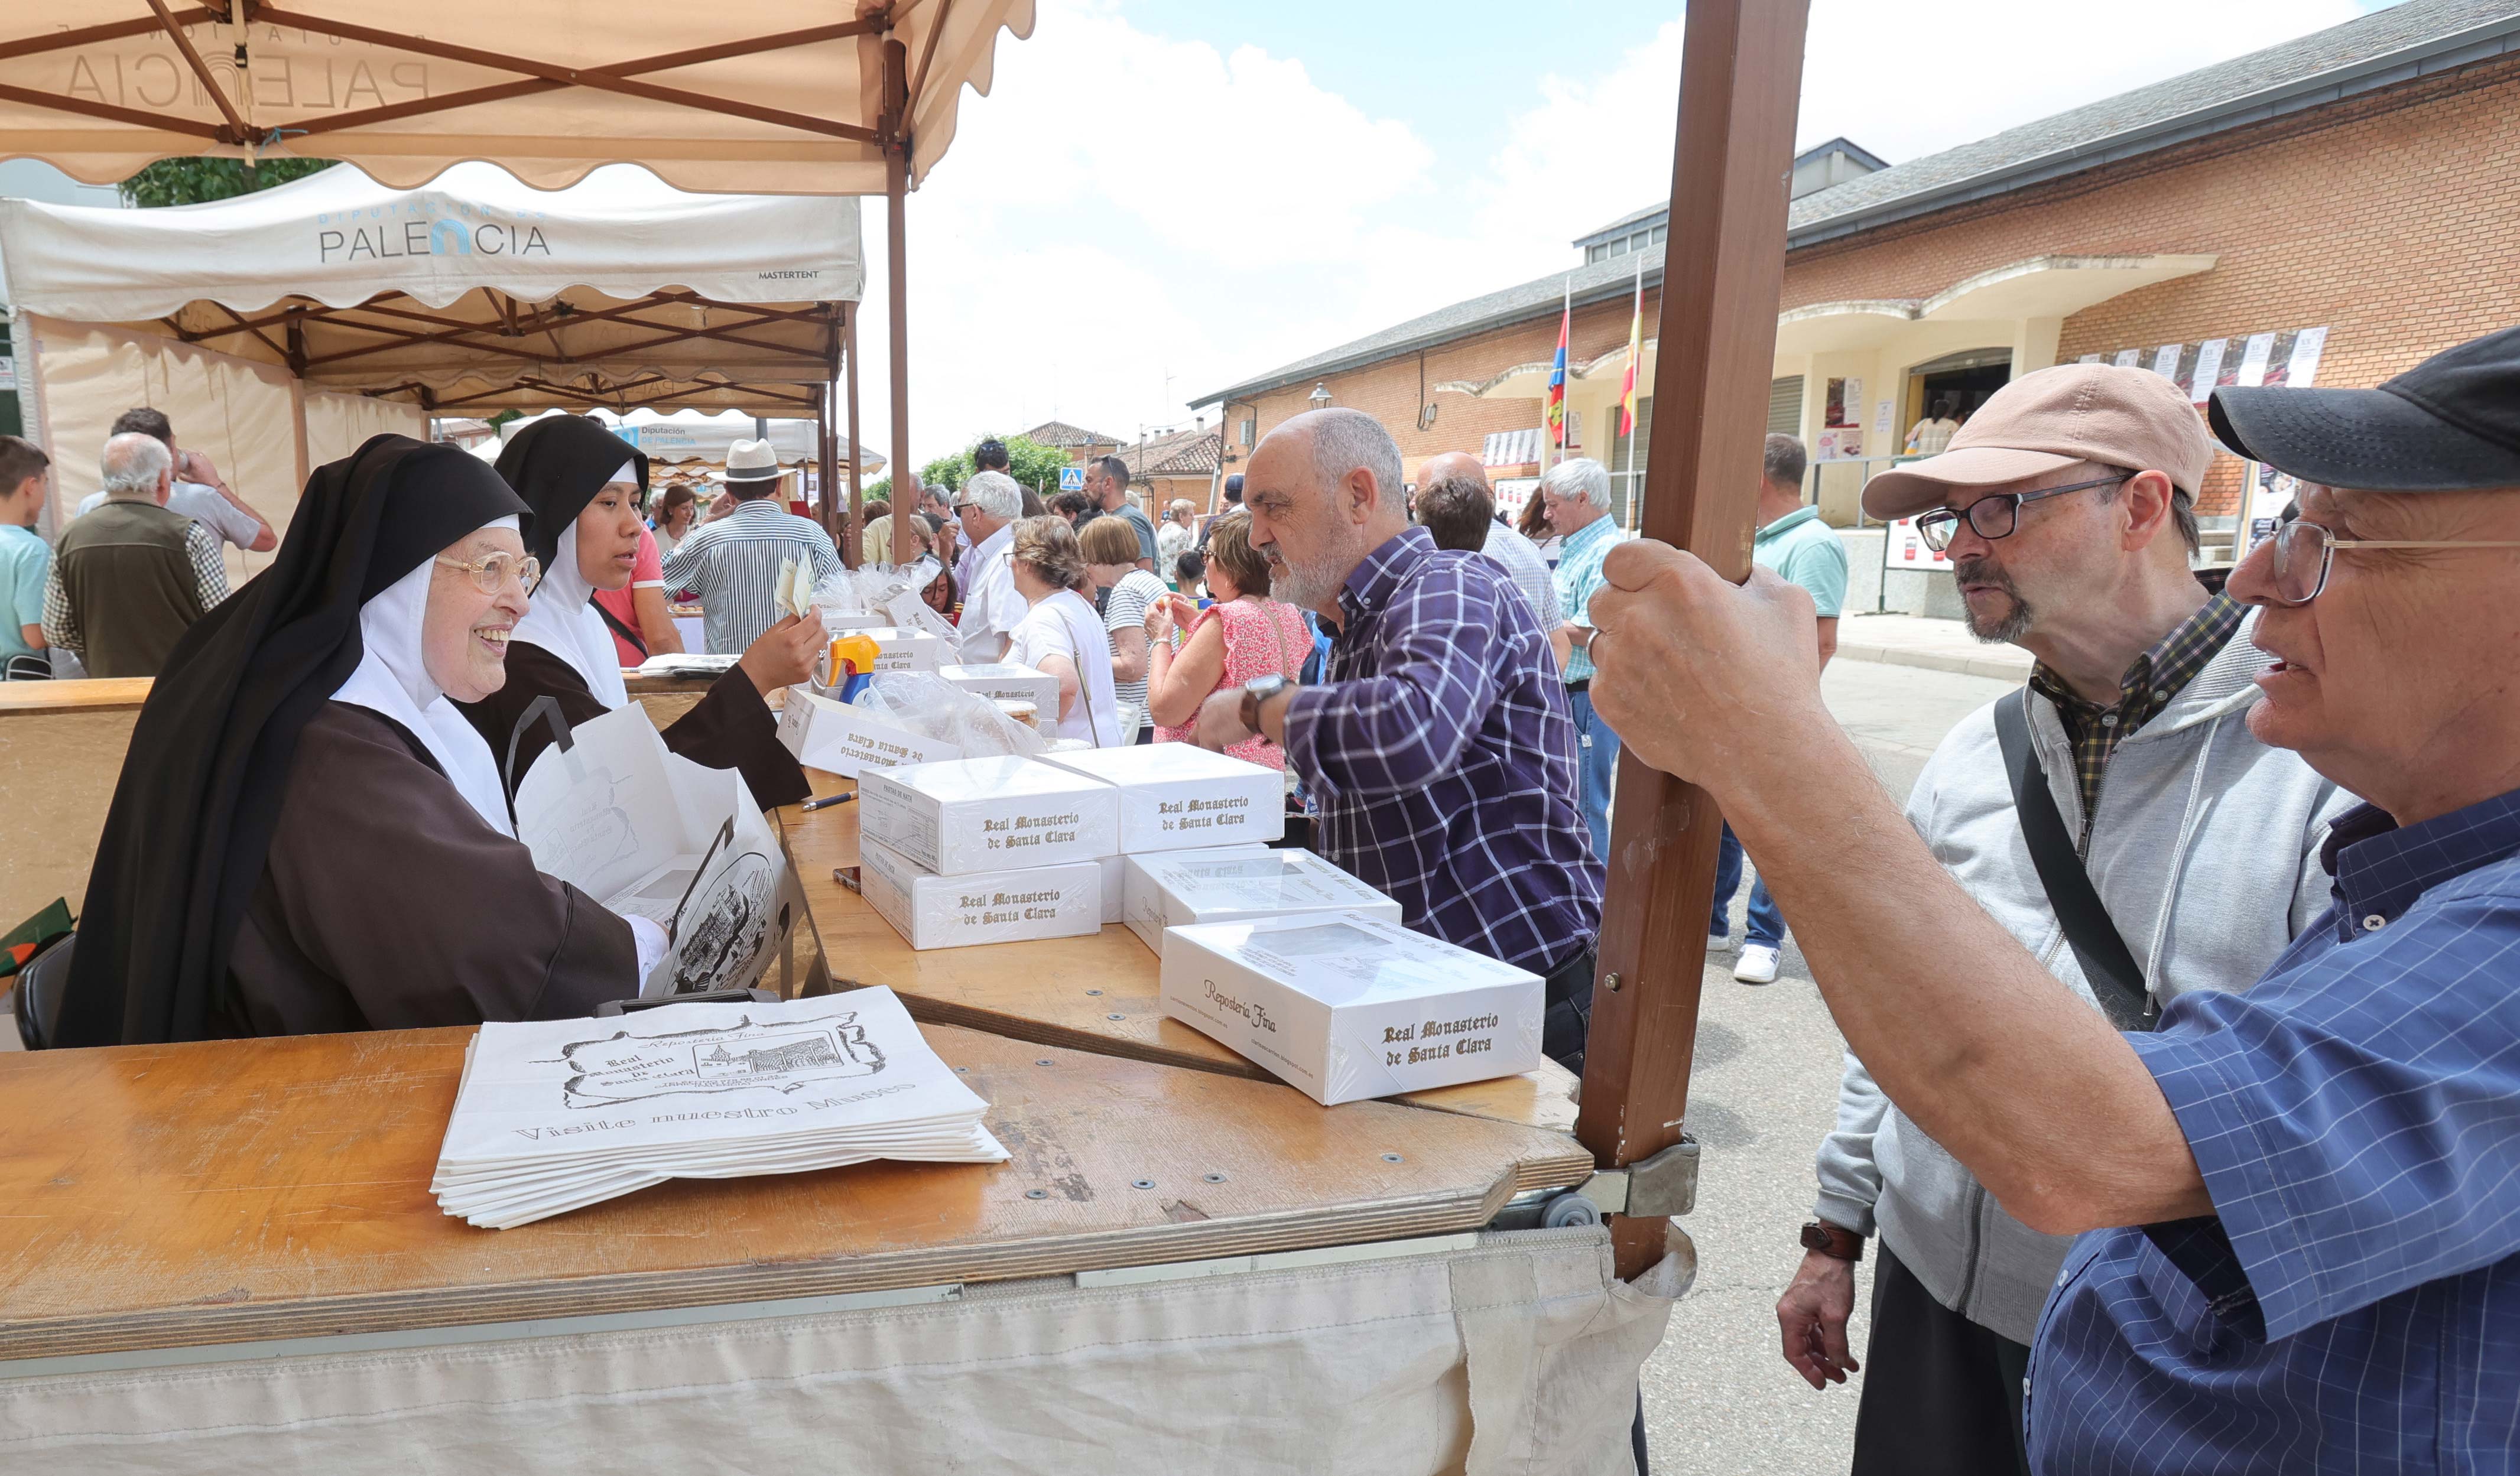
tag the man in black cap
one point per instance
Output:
(1232, 503)
(2298, 1203)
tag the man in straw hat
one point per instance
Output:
(734, 561)
(2298, 1201)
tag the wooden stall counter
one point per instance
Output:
(1099, 993)
(61, 754)
(227, 1191)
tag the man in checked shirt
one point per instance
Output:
(1440, 752)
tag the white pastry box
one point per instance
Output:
(839, 622)
(848, 740)
(898, 650)
(989, 814)
(1011, 906)
(1182, 888)
(1179, 796)
(1005, 682)
(1115, 878)
(1343, 1006)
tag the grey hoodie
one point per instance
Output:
(2205, 849)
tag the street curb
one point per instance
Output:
(2002, 668)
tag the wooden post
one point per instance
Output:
(823, 478)
(856, 460)
(1723, 270)
(896, 193)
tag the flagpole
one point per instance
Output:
(1636, 372)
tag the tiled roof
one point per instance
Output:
(1062, 435)
(2410, 39)
(1182, 453)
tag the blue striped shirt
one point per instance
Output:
(1579, 579)
(734, 563)
(2354, 1302)
(1442, 757)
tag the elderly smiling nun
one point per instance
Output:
(582, 484)
(307, 836)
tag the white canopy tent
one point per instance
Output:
(819, 97)
(704, 441)
(282, 328)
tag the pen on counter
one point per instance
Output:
(830, 800)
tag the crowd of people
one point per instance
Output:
(2176, 1000)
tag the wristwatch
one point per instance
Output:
(1256, 692)
(1832, 1240)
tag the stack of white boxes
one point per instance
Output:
(984, 850)
(847, 740)
(1239, 884)
(898, 650)
(957, 853)
(1275, 953)
(1343, 1006)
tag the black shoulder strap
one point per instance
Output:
(2116, 979)
(637, 641)
(542, 709)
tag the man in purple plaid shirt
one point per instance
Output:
(1441, 753)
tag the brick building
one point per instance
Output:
(2340, 206)
(1177, 464)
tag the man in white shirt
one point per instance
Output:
(200, 494)
(1172, 538)
(1457, 510)
(989, 506)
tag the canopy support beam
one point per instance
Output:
(857, 456)
(896, 193)
(616, 79)
(1740, 81)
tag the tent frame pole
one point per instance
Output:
(896, 193)
(1724, 269)
(857, 459)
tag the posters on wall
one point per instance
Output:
(2265, 493)
(2289, 356)
(1841, 433)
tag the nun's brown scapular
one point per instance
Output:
(561, 467)
(307, 836)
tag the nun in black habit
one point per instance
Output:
(306, 835)
(582, 483)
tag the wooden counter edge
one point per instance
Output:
(1143, 1245)
(86, 695)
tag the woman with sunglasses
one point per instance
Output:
(582, 484)
(307, 835)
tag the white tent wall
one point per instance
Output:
(240, 413)
(1515, 1353)
(337, 424)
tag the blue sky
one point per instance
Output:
(1163, 197)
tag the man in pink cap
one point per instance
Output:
(2179, 854)
(2297, 1200)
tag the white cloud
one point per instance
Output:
(1132, 219)
(1905, 81)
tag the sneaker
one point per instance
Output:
(1719, 943)
(1758, 964)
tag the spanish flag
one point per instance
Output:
(1636, 355)
(1558, 373)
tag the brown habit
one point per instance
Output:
(388, 903)
(731, 728)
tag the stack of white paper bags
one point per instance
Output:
(554, 1115)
